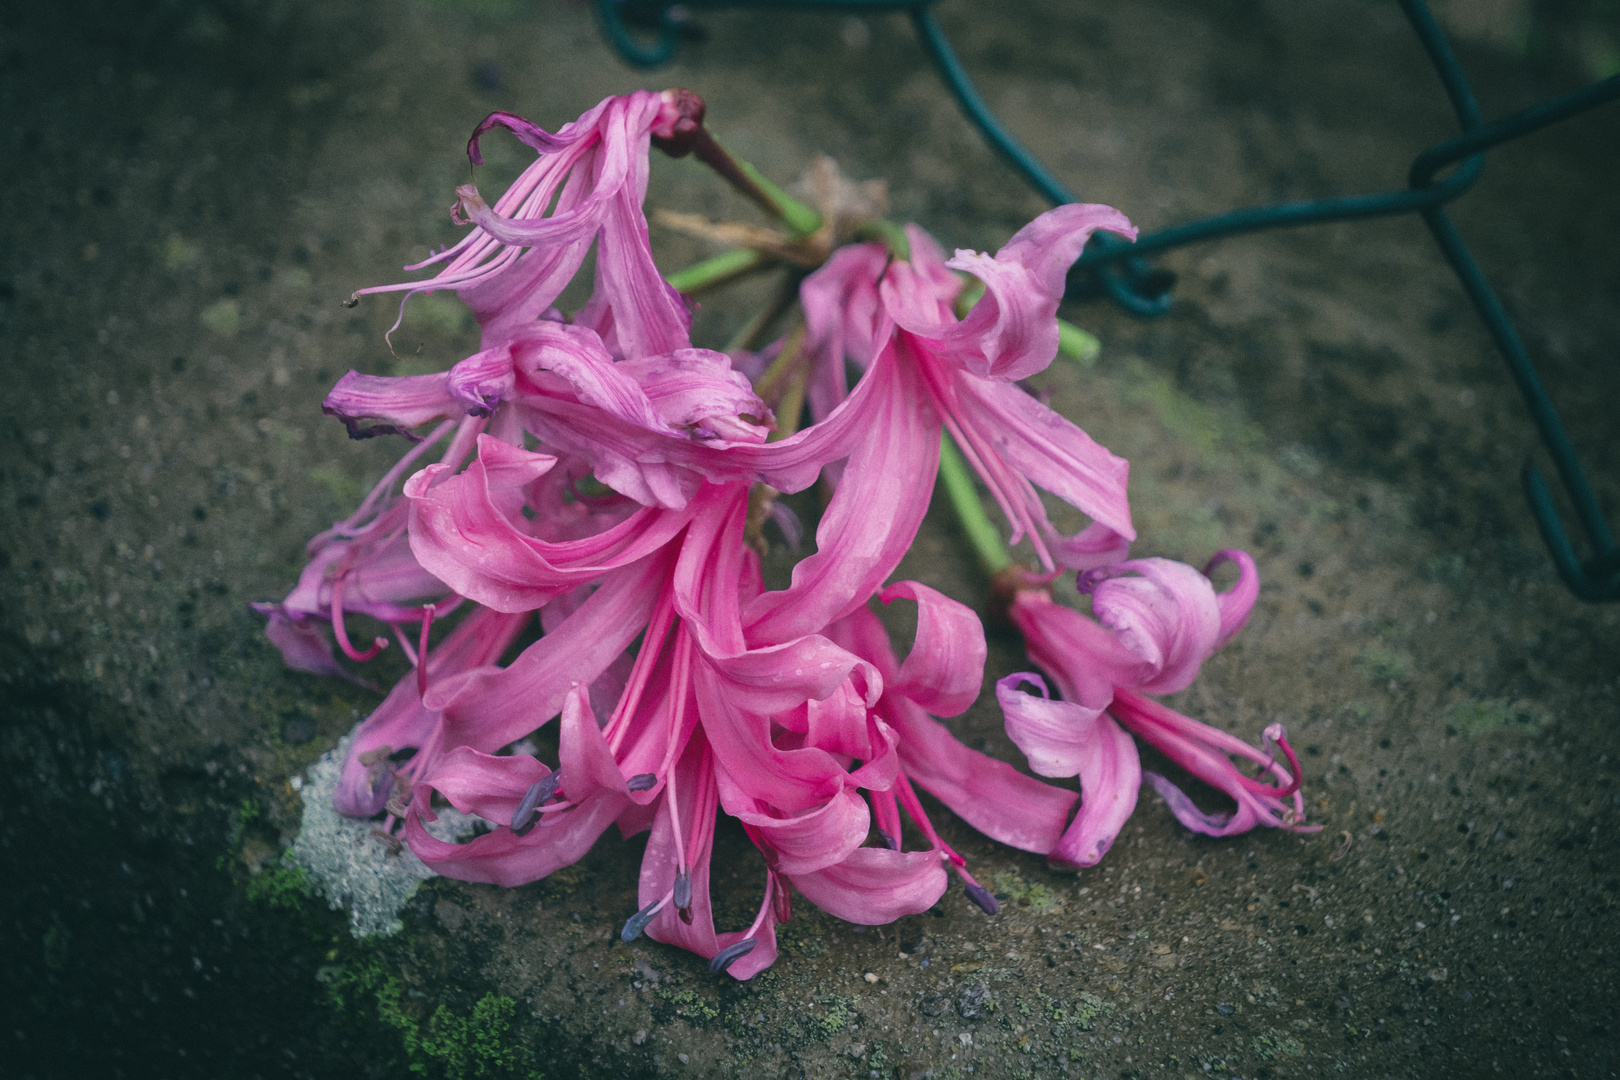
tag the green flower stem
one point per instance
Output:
(716, 271)
(957, 479)
(1076, 344)
(800, 220)
(889, 234)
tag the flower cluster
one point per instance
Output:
(597, 472)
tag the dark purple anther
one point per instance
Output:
(888, 841)
(638, 922)
(731, 954)
(528, 808)
(389, 841)
(641, 781)
(683, 890)
(981, 896)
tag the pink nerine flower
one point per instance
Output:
(601, 475)
(1157, 622)
(864, 302)
(586, 186)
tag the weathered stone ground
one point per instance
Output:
(190, 189)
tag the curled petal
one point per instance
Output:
(1056, 736)
(1012, 332)
(486, 785)
(303, 642)
(945, 668)
(501, 858)
(1084, 659)
(1168, 616)
(873, 886)
(1236, 602)
(696, 390)
(469, 529)
(801, 842)
(480, 382)
(1110, 778)
(396, 403)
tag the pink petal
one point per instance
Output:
(501, 858)
(469, 529)
(804, 841)
(945, 669)
(1012, 332)
(303, 641)
(873, 886)
(697, 389)
(1086, 661)
(490, 707)
(1110, 777)
(403, 720)
(480, 382)
(1168, 616)
(1238, 601)
(989, 795)
(396, 403)
(578, 355)
(869, 524)
(1049, 450)
(1055, 736)
(483, 784)
(842, 321)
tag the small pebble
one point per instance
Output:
(870, 976)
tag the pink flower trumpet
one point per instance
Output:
(1157, 621)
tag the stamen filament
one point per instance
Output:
(342, 634)
(422, 651)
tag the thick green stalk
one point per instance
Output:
(799, 218)
(1076, 344)
(715, 271)
(957, 479)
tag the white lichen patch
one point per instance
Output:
(349, 866)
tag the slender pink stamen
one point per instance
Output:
(404, 643)
(908, 799)
(652, 643)
(1276, 733)
(422, 651)
(342, 635)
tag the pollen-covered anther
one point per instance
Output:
(982, 896)
(638, 922)
(528, 807)
(683, 890)
(731, 954)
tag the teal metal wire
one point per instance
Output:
(1121, 270)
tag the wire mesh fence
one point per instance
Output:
(648, 33)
